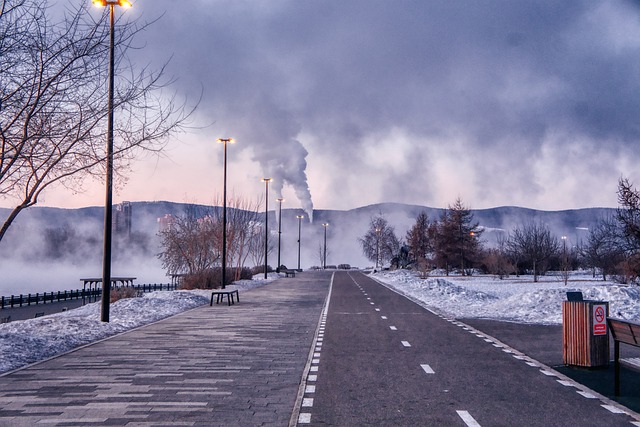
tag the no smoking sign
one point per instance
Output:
(599, 319)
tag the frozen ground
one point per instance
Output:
(516, 299)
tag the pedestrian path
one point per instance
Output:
(237, 365)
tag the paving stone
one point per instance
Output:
(211, 366)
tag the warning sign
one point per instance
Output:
(599, 319)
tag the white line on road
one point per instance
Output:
(587, 394)
(427, 369)
(393, 328)
(384, 317)
(566, 383)
(406, 343)
(307, 402)
(468, 419)
(312, 378)
(613, 409)
(310, 389)
(304, 419)
(548, 373)
(377, 309)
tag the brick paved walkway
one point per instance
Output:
(211, 366)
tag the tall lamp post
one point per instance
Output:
(108, 214)
(325, 225)
(224, 141)
(266, 219)
(299, 230)
(377, 247)
(280, 200)
(565, 269)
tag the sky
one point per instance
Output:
(351, 103)
(515, 299)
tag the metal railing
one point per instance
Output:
(86, 295)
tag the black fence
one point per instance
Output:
(86, 295)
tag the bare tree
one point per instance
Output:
(535, 244)
(380, 243)
(189, 244)
(53, 102)
(604, 248)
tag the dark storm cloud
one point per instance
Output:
(507, 80)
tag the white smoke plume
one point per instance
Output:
(286, 163)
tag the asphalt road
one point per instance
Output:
(383, 360)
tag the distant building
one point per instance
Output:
(122, 219)
(166, 222)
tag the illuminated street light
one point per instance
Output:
(108, 214)
(325, 225)
(299, 230)
(266, 219)
(224, 141)
(280, 199)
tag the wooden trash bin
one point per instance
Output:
(585, 337)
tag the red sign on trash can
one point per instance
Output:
(599, 319)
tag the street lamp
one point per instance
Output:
(377, 246)
(280, 199)
(564, 260)
(266, 219)
(325, 225)
(108, 214)
(224, 141)
(299, 230)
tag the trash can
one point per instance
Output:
(585, 337)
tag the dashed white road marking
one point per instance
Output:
(384, 317)
(587, 395)
(313, 369)
(566, 383)
(468, 419)
(312, 378)
(310, 389)
(307, 402)
(393, 328)
(377, 309)
(406, 343)
(304, 418)
(316, 354)
(532, 364)
(427, 369)
(372, 303)
(548, 373)
(613, 409)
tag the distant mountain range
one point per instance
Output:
(342, 235)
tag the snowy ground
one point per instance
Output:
(516, 299)
(27, 341)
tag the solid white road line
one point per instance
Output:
(468, 419)
(427, 369)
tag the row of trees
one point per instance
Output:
(192, 243)
(453, 241)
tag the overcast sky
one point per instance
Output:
(347, 103)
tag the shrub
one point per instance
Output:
(122, 293)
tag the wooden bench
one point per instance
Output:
(219, 295)
(289, 273)
(623, 331)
